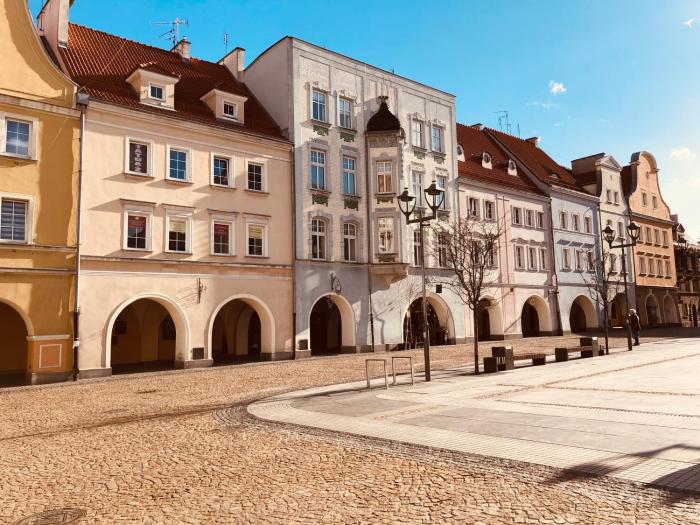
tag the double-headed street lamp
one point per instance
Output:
(609, 235)
(434, 197)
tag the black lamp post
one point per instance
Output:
(609, 234)
(434, 198)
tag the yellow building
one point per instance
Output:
(39, 147)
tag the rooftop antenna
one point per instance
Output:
(225, 43)
(173, 33)
(504, 120)
(519, 130)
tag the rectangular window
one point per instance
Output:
(473, 207)
(657, 236)
(540, 219)
(620, 231)
(349, 187)
(590, 263)
(647, 234)
(654, 202)
(650, 264)
(642, 265)
(613, 263)
(221, 170)
(386, 234)
(609, 196)
(384, 177)
(616, 197)
(576, 222)
(418, 133)
(644, 199)
(665, 237)
(488, 211)
(529, 218)
(491, 257)
(579, 260)
(668, 273)
(349, 242)
(157, 92)
(566, 258)
(177, 235)
(516, 215)
(442, 250)
(139, 157)
(318, 239)
(255, 177)
(345, 113)
(543, 259)
(256, 240)
(13, 220)
(531, 258)
(437, 139)
(441, 183)
(222, 238)
(417, 187)
(318, 103)
(178, 165)
(17, 137)
(230, 110)
(519, 258)
(659, 268)
(563, 220)
(318, 169)
(587, 225)
(417, 252)
(137, 232)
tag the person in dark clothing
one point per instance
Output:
(635, 325)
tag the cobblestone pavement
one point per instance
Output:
(180, 447)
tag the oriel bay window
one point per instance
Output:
(385, 230)
(318, 169)
(13, 220)
(349, 183)
(384, 177)
(178, 234)
(318, 239)
(349, 242)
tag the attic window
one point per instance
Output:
(486, 160)
(156, 92)
(460, 151)
(230, 110)
(512, 168)
(554, 175)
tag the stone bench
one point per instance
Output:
(562, 354)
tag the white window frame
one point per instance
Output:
(28, 218)
(321, 235)
(263, 174)
(441, 182)
(151, 147)
(188, 164)
(256, 222)
(566, 258)
(667, 265)
(418, 130)
(523, 257)
(384, 174)
(231, 223)
(178, 215)
(441, 131)
(326, 96)
(417, 178)
(311, 164)
(543, 259)
(353, 237)
(576, 222)
(513, 215)
(608, 194)
(343, 171)
(642, 265)
(616, 197)
(540, 220)
(141, 211)
(473, 207)
(33, 130)
(532, 258)
(587, 224)
(659, 268)
(394, 247)
(231, 178)
(563, 220)
(152, 85)
(530, 223)
(350, 112)
(492, 215)
(225, 103)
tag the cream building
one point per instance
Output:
(186, 252)
(361, 135)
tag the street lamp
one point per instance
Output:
(434, 197)
(609, 234)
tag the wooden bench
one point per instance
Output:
(562, 354)
(494, 364)
(537, 359)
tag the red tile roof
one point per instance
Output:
(100, 63)
(541, 164)
(474, 142)
(586, 178)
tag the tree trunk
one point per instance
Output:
(476, 341)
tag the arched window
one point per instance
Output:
(318, 239)
(349, 242)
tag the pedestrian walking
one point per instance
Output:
(635, 325)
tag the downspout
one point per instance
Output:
(369, 242)
(560, 331)
(82, 100)
(294, 254)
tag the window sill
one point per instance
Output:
(14, 156)
(257, 256)
(221, 186)
(135, 175)
(346, 130)
(255, 192)
(319, 190)
(170, 252)
(137, 250)
(15, 243)
(179, 182)
(222, 254)
(353, 196)
(326, 125)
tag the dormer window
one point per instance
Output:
(486, 160)
(460, 152)
(512, 168)
(157, 92)
(226, 105)
(230, 110)
(554, 175)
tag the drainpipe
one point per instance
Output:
(294, 256)
(82, 100)
(369, 241)
(560, 330)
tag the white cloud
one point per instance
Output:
(547, 104)
(690, 22)
(682, 153)
(556, 88)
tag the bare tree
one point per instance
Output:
(469, 249)
(603, 284)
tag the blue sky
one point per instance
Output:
(588, 76)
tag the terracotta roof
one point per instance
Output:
(541, 164)
(100, 63)
(586, 178)
(474, 142)
(383, 119)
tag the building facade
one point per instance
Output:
(654, 258)
(687, 255)
(186, 258)
(39, 150)
(493, 189)
(600, 175)
(361, 135)
(575, 231)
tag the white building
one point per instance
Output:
(355, 275)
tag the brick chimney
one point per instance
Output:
(235, 62)
(182, 48)
(478, 127)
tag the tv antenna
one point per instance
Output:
(225, 43)
(504, 120)
(173, 33)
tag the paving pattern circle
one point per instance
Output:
(53, 517)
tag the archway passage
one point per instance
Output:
(144, 338)
(13, 347)
(582, 315)
(618, 311)
(484, 325)
(530, 321)
(413, 325)
(326, 328)
(237, 334)
(670, 311)
(652, 308)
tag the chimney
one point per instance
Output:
(182, 48)
(534, 140)
(52, 23)
(235, 62)
(478, 127)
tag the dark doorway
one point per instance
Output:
(484, 326)
(13, 347)
(530, 321)
(652, 312)
(326, 328)
(413, 325)
(577, 318)
(236, 334)
(693, 316)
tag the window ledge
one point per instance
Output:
(318, 190)
(346, 130)
(222, 254)
(16, 157)
(321, 123)
(137, 250)
(256, 192)
(179, 182)
(177, 253)
(134, 175)
(258, 256)
(15, 243)
(221, 186)
(353, 196)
